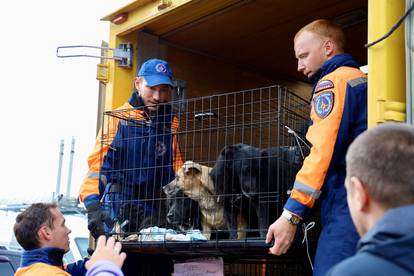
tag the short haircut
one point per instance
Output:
(325, 29)
(29, 222)
(382, 159)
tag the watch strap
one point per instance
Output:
(292, 219)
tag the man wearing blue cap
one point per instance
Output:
(139, 154)
(154, 83)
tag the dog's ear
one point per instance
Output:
(192, 168)
(229, 151)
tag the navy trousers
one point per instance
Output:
(338, 238)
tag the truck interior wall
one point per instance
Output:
(149, 46)
(208, 76)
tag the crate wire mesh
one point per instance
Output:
(256, 117)
(141, 163)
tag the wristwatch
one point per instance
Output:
(292, 219)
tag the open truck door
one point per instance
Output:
(233, 57)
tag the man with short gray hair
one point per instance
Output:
(338, 115)
(380, 194)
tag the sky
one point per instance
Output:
(44, 98)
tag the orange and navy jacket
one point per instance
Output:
(133, 149)
(48, 261)
(338, 115)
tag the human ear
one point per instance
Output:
(329, 48)
(137, 82)
(44, 233)
(360, 194)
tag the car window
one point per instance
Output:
(6, 267)
(82, 244)
(13, 256)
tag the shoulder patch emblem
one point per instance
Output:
(322, 85)
(324, 103)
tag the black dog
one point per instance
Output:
(144, 214)
(183, 213)
(262, 176)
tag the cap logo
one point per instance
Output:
(160, 68)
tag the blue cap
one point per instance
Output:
(156, 72)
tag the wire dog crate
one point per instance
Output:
(220, 164)
(257, 117)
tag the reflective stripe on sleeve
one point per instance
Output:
(300, 187)
(357, 81)
(92, 175)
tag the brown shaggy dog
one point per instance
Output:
(195, 181)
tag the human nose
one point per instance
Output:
(301, 67)
(156, 95)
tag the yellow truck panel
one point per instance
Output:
(386, 63)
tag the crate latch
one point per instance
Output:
(122, 54)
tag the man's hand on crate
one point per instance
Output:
(283, 233)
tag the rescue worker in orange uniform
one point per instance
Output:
(138, 154)
(338, 115)
(42, 233)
